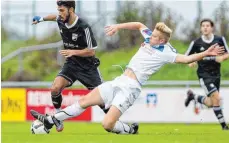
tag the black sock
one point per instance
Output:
(57, 100)
(104, 110)
(219, 114)
(200, 99)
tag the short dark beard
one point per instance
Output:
(67, 17)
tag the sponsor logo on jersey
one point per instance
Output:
(147, 31)
(70, 45)
(212, 85)
(74, 37)
(202, 49)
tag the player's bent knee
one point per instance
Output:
(55, 90)
(215, 98)
(83, 102)
(108, 125)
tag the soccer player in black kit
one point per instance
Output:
(208, 70)
(79, 50)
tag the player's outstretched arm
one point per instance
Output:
(112, 29)
(214, 50)
(222, 58)
(37, 19)
(81, 53)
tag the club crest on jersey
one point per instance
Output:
(74, 37)
(212, 85)
(202, 49)
(147, 31)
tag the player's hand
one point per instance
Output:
(215, 50)
(111, 30)
(66, 53)
(192, 65)
(37, 19)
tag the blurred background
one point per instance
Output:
(30, 60)
(42, 65)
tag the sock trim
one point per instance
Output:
(202, 100)
(56, 95)
(216, 108)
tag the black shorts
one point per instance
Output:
(90, 78)
(210, 84)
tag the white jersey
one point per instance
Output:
(149, 59)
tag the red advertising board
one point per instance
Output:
(40, 100)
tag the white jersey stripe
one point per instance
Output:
(225, 44)
(100, 75)
(87, 38)
(189, 48)
(89, 35)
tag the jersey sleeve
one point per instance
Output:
(169, 54)
(146, 33)
(225, 45)
(191, 50)
(170, 57)
(90, 39)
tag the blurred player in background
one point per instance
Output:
(120, 94)
(79, 50)
(208, 70)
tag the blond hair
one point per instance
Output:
(165, 30)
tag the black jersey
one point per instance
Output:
(78, 36)
(207, 67)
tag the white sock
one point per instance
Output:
(69, 112)
(122, 128)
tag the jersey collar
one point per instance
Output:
(208, 41)
(73, 24)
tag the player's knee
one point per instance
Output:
(108, 125)
(215, 99)
(83, 102)
(55, 90)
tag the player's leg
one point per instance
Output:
(215, 97)
(111, 123)
(123, 99)
(91, 79)
(211, 87)
(206, 84)
(58, 85)
(64, 79)
(91, 99)
(197, 98)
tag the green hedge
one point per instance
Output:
(42, 65)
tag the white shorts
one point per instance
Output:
(121, 92)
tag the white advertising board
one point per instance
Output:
(167, 106)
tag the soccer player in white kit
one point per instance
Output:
(121, 93)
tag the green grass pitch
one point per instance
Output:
(75, 132)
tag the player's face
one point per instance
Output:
(155, 38)
(206, 28)
(63, 12)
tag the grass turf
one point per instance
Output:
(94, 133)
